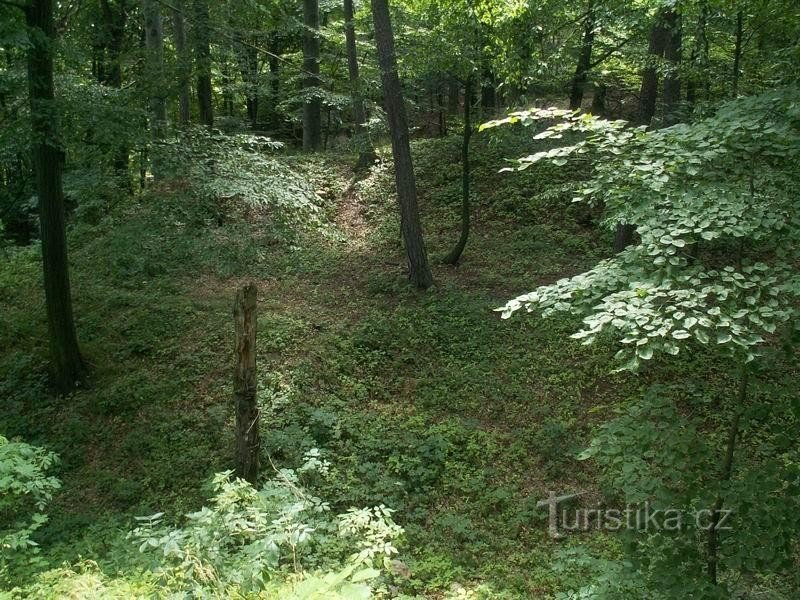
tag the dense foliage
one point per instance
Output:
(636, 171)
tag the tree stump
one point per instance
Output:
(244, 384)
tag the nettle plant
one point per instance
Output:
(716, 206)
(276, 539)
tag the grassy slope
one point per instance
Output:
(426, 402)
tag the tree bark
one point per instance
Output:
(648, 95)
(109, 72)
(584, 59)
(274, 86)
(154, 45)
(112, 36)
(312, 107)
(737, 54)
(366, 154)
(599, 100)
(672, 54)
(488, 93)
(202, 50)
(250, 75)
(455, 253)
(248, 441)
(184, 63)
(699, 57)
(453, 96)
(727, 471)
(419, 269)
(67, 364)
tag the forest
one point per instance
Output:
(400, 299)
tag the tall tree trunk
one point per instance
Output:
(202, 51)
(68, 366)
(184, 63)
(488, 93)
(441, 109)
(419, 269)
(648, 95)
(112, 34)
(599, 100)
(227, 87)
(737, 53)
(584, 59)
(699, 57)
(672, 54)
(250, 75)
(110, 72)
(312, 107)
(458, 249)
(366, 154)
(154, 45)
(725, 475)
(274, 86)
(453, 96)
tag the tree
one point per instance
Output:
(154, 44)
(694, 193)
(584, 58)
(48, 160)
(366, 152)
(202, 49)
(419, 269)
(184, 63)
(648, 96)
(672, 54)
(699, 57)
(312, 104)
(458, 249)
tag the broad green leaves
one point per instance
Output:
(705, 198)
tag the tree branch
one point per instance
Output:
(605, 56)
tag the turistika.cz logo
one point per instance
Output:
(642, 517)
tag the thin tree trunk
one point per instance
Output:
(154, 45)
(184, 63)
(250, 75)
(455, 253)
(488, 93)
(453, 96)
(244, 384)
(441, 110)
(699, 57)
(366, 154)
(419, 269)
(599, 100)
(648, 95)
(68, 366)
(672, 54)
(274, 86)
(727, 470)
(737, 53)
(202, 50)
(110, 71)
(312, 107)
(584, 59)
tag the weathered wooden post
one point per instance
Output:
(244, 384)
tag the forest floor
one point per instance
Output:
(426, 402)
